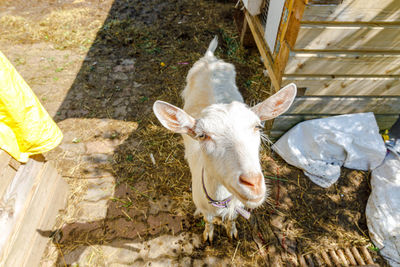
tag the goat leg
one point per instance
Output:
(208, 230)
(231, 230)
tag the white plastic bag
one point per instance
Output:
(383, 209)
(320, 147)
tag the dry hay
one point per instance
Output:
(297, 212)
(72, 27)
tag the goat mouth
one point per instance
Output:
(252, 202)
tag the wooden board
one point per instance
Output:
(334, 105)
(346, 85)
(355, 10)
(285, 122)
(275, 62)
(15, 198)
(386, 110)
(37, 193)
(348, 37)
(343, 64)
(293, 26)
(39, 215)
(258, 35)
(324, 2)
(7, 173)
(4, 159)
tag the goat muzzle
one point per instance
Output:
(252, 181)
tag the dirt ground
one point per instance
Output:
(98, 66)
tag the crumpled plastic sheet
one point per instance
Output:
(25, 126)
(383, 209)
(321, 147)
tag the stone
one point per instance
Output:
(162, 204)
(161, 251)
(118, 101)
(212, 261)
(165, 245)
(116, 264)
(120, 111)
(128, 61)
(125, 228)
(71, 150)
(100, 147)
(98, 158)
(93, 172)
(96, 192)
(119, 76)
(72, 258)
(127, 65)
(103, 180)
(172, 223)
(122, 252)
(91, 211)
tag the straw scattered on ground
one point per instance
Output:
(162, 39)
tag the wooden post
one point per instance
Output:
(275, 63)
(256, 29)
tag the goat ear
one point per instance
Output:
(276, 104)
(174, 118)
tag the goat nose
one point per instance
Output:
(252, 180)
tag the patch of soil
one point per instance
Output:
(140, 53)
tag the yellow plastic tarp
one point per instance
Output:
(25, 126)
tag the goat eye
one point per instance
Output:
(203, 137)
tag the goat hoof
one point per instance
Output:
(233, 234)
(231, 230)
(208, 233)
(207, 236)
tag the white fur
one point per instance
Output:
(214, 108)
(210, 83)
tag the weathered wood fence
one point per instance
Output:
(344, 56)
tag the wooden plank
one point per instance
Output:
(13, 163)
(343, 64)
(294, 22)
(49, 188)
(325, 2)
(14, 199)
(355, 10)
(385, 109)
(288, 32)
(246, 39)
(348, 37)
(244, 30)
(4, 160)
(285, 122)
(288, 12)
(7, 174)
(283, 25)
(333, 105)
(257, 31)
(366, 255)
(346, 85)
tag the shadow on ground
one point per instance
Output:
(142, 53)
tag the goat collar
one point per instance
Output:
(222, 203)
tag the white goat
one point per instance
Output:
(222, 140)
